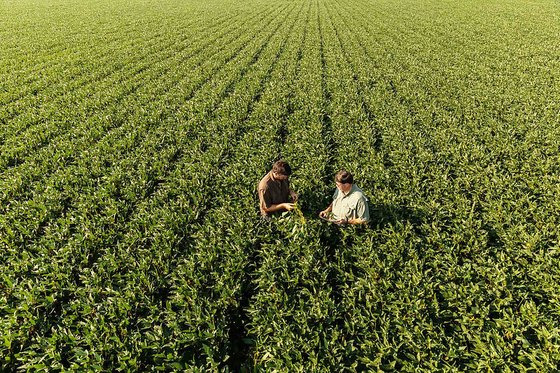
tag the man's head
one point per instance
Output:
(344, 181)
(281, 170)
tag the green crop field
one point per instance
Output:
(133, 134)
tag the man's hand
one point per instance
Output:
(287, 206)
(341, 221)
(356, 221)
(325, 213)
(293, 195)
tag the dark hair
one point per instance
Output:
(281, 167)
(344, 177)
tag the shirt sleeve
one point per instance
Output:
(362, 209)
(287, 189)
(265, 200)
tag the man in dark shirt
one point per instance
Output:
(274, 190)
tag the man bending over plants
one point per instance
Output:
(274, 190)
(350, 205)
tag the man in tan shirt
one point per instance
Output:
(274, 190)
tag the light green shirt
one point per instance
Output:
(353, 205)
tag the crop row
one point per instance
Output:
(415, 164)
(192, 345)
(115, 121)
(99, 48)
(129, 224)
(72, 72)
(293, 311)
(65, 31)
(80, 96)
(181, 167)
(92, 168)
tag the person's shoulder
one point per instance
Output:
(359, 193)
(264, 183)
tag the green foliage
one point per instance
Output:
(132, 136)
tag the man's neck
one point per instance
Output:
(348, 191)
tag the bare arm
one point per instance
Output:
(326, 211)
(273, 207)
(356, 221)
(279, 207)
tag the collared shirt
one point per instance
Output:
(272, 192)
(353, 205)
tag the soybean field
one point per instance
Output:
(133, 134)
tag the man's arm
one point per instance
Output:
(268, 207)
(326, 211)
(356, 221)
(279, 207)
(293, 195)
(362, 213)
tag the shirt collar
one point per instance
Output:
(274, 179)
(350, 191)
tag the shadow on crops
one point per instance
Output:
(343, 247)
(240, 341)
(383, 215)
(312, 204)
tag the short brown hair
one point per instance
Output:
(281, 167)
(344, 177)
